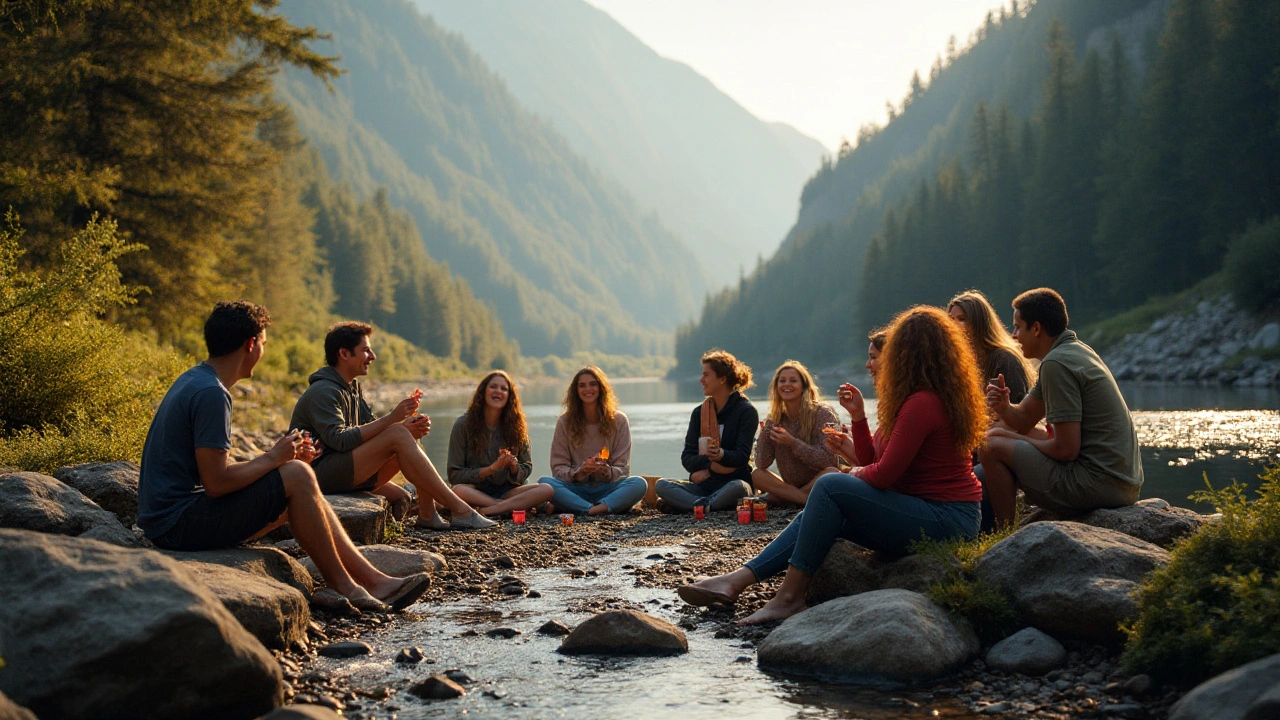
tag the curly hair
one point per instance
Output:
(988, 334)
(575, 412)
(810, 400)
(726, 366)
(928, 352)
(232, 323)
(511, 423)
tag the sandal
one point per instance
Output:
(413, 588)
(361, 600)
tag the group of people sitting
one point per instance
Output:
(952, 390)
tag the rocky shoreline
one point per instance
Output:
(84, 589)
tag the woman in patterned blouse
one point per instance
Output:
(792, 435)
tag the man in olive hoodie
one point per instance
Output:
(361, 452)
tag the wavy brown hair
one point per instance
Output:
(928, 352)
(575, 412)
(726, 366)
(988, 334)
(810, 400)
(511, 423)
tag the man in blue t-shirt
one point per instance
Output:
(192, 497)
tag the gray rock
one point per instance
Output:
(1229, 696)
(9, 710)
(1139, 685)
(302, 712)
(1266, 707)
(345, 649)
(506, 633)
(275, 613)
(1152, 519)
(394, 561)
(555, 627)
(625, 632)
(437, 687)
(916, 573)
(31, 501)
(847, 570)
(1267, 337)
(363, 515)
(113, 486)
(265, 562)
(410, 656)
(1069, 579)
(893, 635)
(95, 631)
(1027, 651)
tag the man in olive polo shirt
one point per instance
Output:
(1091, 458)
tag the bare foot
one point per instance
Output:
(779, 608)
(598, 509)
(719, 586)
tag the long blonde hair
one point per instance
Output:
(575, 414)
(927, 351)
(810, 400)
(987, 334)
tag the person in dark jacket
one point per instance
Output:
(361, 452)
(717, 446)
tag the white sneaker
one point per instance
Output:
(474, 521)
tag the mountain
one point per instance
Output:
(721, 178)
(563, 254)
(774, 313)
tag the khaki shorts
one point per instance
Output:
(1066, 486)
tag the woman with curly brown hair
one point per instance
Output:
(591, 450)
(919, 481)
(489, 456)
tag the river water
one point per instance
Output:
(1186, 432)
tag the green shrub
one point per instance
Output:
(1217, 604)
(986, 609)
(1252, 266)
(74, 388)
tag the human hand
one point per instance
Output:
(286, 448)
(780, 436)
(841, 444)
(1002, 432)
(700, 476)
(998, 395)
(405, 408)
(419, 426)
(852, 401)
(509, 458)
(715, 453)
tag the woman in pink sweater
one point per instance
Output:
(792, 436)
(591, 451)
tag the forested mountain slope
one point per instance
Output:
(725, 181)
(807, 300)
(560, 251)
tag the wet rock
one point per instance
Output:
(1231, 695)
(1069, 579)
(894, 635)
(533, 594)
(275, 613)
(437, 687)
(94, 630)
(410, 655)
(458, 676)
(1027, 651)
(9, 710)
(31, 501)
(916, 573)
(577, 573)
(996, 708)
(264, 562)
(392, 560)
(302, 712)
(1153, 520)
(332, 602)
(554, 627)
(505, 633)
(625, 632)
(112, 485)
(504, 561)
(1266, 707)
(1139, 685)
(847, 570)
(345, 649)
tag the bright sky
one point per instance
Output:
(824, 66)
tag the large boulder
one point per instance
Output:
(392, 560)
(96, 631)
(847, 569)
(31, 501)
(1153, 520)
(1069, 579)
(884, 635)
(275, 613)
(112, 485)
(363, 515)
(625, 632)
(265, 562)
(1027, 651)
(917, 573)
(1247, 692)
(9, 710)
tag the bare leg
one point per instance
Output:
(396, 442)
(731, 584)
(522, 497)
(309, 521)
(787, 602)
(997, 463)
(360, 569)
(780, 490)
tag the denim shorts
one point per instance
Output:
(212, 523)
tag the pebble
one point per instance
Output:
(345, 649)
(554, 627)
(995, 708)
(1139, 685)
(410, 655)
(437, 687)
(458, 676)
(743, 659)
(505, 633)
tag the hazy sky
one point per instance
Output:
(824, 66)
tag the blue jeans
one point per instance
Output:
(577, 498)
(682, 495)
(843, 506)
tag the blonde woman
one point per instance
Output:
(591, 451)
(792, 436)
(993, 346)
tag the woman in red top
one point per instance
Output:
(913, 479)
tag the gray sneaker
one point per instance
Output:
(474, 521)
